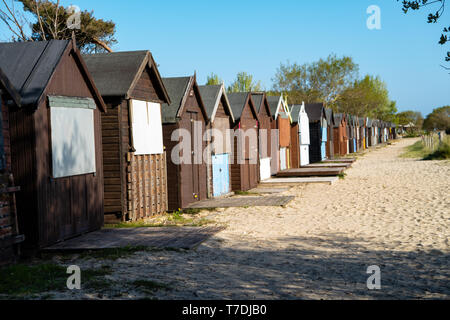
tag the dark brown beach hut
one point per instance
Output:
(56, 141)
(221, 122)
(340, 135)
(318, 131)
(265, 138)
(9, 233)
(244, 170)
(330, 133)
(133, 153)
(184, 124)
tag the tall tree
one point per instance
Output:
(213, 79)
(433, 17)
(439, 119)
(54, 21)
(407, 117)
(244, 83)
(320, 81)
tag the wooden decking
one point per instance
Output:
(311, 172)
(342, 160)
(242, 202)
(162, 238)
(329, 165)
(292, 182)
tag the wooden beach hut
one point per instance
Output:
(318, 131)
(340, 134)
(265, 128)
(221, 117)
(134, 160)
(245, 166)
(362, 133)
(184, 124)
(56, 141)
(368, 132)
(281, 134)
(299, 115)
(9, 230)
(330, 132)
(281, 141)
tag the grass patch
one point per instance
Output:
(24, 279)
(342, 175)
(417, 150)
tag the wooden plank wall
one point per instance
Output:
(295, 146)
(146, 185)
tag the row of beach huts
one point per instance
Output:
(86, 139)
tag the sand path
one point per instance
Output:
(388, 211)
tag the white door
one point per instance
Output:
(304, 155)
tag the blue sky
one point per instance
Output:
(227, 37)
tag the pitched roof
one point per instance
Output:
(329, 115)
(237, 103)
(211, 96)
(314, 111)
(117, 73)
(29, 67)
(7, 86)
(258, 98)
(178, 90)
(274, 104)
(295, 112)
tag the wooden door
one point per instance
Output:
(195, 167)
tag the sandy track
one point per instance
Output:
(388, 211)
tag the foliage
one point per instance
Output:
(407, 117)
(319, 81)
(51, 22)
(432, 17)
(415, 151)
(439, 119)
(213, 80)
(244, 83)
(368, 97)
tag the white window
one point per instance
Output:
(146, 127)
(73, 136)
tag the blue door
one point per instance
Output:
(221, 174)
(324, 142)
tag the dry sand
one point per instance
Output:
(388, 211)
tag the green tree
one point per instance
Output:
(368, 96)
(51, 21)
(407, 117)
(322, 81)
(244, 83)
(213, 80)
(433, 17)
(439, 119)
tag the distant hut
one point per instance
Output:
(368, 132)
(56, 141)
(299, 115)
(362, 133)
(245, 167)
(318, 131)
(184, 124)
(330, 132)
(221, 117)
(265, 129)
(282, 123)
(351, 134)
(133, 153)
(281, 141)
(340, 134)
(9, 230)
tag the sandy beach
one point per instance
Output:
(388, 211)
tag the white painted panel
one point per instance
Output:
(283, 160)
(304, 155)
(73, 141)
(147, 127)
(265, 168)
